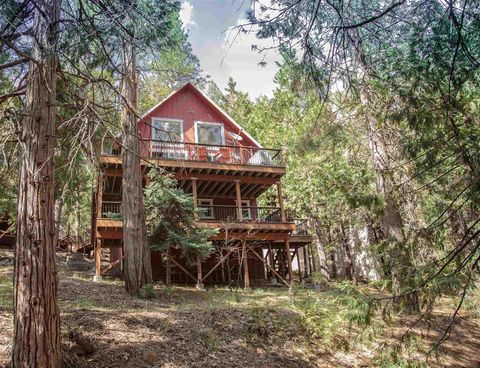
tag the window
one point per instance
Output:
(167, 130)
(210, 133)
(206, 208)
(163, 132)
(246, 214)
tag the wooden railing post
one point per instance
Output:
(239, 201)
(280, 201)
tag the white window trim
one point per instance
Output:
(206, 202)
(245, 203)
(197, 123)
(159, 119)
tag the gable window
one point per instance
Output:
(167, 138)
(167, 130)
(206, 208)
(209, 133)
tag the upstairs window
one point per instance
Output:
(167, 130)
(210, 133)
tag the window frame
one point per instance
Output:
(168, 120)
(248, 209)
(208, 216)
(199, 123)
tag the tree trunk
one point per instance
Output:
(37, 319)
(392, 223)
(349, 267)
(138, 268)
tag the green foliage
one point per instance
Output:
(147, 292)
(392, 355)
(170, 216)
(329, 316)
(112, 215)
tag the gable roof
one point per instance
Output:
(209, 101)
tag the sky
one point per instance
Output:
(221, 55)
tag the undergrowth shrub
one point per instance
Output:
(330, 315)
(392, 355)
(147, 292)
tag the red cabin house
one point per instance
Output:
(225, 170)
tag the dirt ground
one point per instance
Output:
(184, 327)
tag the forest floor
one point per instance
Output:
(185, 327)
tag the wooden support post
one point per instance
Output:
(239, 201)
(270, 256)
(280, 202)
(271, 269)
(306, 263)
(246, 276)
(98, 259)
(199, 274)
(310, 257)
(297, 254)
(168, 280)
(289, 261)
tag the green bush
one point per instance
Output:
(147, 292)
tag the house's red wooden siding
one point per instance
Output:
(189, 105)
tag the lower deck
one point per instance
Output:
(235, 263)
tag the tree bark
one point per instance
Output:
(138, 268)
(37, 319)
(392, 222)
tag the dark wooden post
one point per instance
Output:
(98, 260)
(239, 201)
(168, 280)
(310, 257)
(246, 276)
(306, 263)
(289, 261)
(270, 256)
(199, 274)
(280, 202)
(297, 255)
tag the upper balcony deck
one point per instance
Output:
(196, 155)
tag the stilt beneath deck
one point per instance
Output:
(306, 262)
(289, 262)
(98, 259)
(297, 255)
(168, 278)
(199, 274)
(273, 279)
(246, 276)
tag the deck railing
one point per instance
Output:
(112, 210)
(222, 154)
(218, 213)
(230, 214)
(301, 227)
